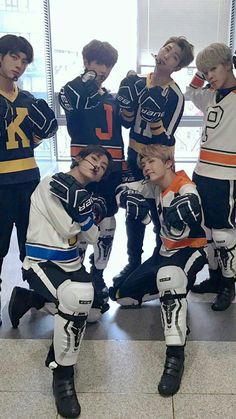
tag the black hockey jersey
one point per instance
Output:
(18, 138)
(99, 125)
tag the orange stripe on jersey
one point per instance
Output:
(180, 180)
(157, 128)
(186, 242)
(116, 153)
(226, 159)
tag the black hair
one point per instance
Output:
(101, 52)
(234, 59)
(96, 149)
(14, 44)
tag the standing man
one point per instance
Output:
(215, 172)
(92, 115)
(24, 122)
(151, 107)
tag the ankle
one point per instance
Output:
(62, 371)
(175, 351)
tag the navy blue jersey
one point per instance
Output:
(160, 132)
(20, 134)
(96, 125)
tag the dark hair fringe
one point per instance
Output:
(234, 59)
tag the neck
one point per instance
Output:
(6, 84)
(167, 180)
(160, 78)
(231, 81)
(77, 175)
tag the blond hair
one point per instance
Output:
(161, 151)
(213, 55)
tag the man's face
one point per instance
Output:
(101, 69)
(168, 58)
(153, 168)
(93, 167)
(13, 65)
(219, 76)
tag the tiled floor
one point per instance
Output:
(121, 357)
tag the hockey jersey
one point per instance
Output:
(161, 132)
(174, 239)
(52, 235)
(18, 140)
(96, 125)
(217, 157)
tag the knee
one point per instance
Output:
(224, 238)
(171, 278)
(75, 297)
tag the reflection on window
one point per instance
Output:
(187, 143)
(25, 18)
(111, 21)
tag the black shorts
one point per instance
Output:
(49, 277)
(218, 201)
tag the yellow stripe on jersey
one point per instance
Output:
(19, 165)
(138, 147)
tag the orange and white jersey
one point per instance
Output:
(174, 239)
(190, 236)
(217, 157)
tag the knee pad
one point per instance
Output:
(225, 242)
(75, 297)
(75, 300)
(102, 249)
(172, 285)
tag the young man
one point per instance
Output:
(92, 115)
(215, 172)
(24, 122)
(61, 214)
(151, 107)
(171, 271)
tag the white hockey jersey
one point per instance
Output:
(51, 234)
(217, 158)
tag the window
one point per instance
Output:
(201, 22)
(112, 21)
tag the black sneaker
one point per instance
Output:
(65, 396)
(223, 299)
(171, 377)
(126, 271)
(21, 301)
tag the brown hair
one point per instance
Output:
(187, 49)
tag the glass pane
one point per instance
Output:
(187, 143)
(63, 143)
(112, 21)
(25, 18)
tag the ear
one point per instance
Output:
(169, 164)
(85, 62)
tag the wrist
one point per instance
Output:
(198, 80)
